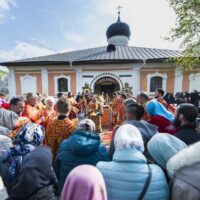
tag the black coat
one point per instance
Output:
(188, 135)
(34, 181)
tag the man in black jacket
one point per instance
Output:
(185, 121)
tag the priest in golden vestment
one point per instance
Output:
(61, 127)
(32, 110)
(95, 112)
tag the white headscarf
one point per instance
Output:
(87, 125)
(128, 137)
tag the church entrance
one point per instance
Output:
(108, 85)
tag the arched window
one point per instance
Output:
(155, 83)
(62, 85)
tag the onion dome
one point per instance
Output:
(118, 33)
(118, 28)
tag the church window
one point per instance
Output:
(155, 83)
(62, 85)
(28, 84)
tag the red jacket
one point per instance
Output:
(164, 125)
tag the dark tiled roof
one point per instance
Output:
(101, 55)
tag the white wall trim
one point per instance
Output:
(178, 81)
(45, 84)
(11, 82)
(164, 80)
(23, 86)
(106, 75)
(56, 83)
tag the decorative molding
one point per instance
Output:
(30, 85)
(194, 81)
(124, 76)
(56, 82)
(164, 80)
(96, 78)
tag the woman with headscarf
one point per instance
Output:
(35, 177)
(82, 147)
(84, 182)
(29, 137)
(182, 164)
(160, 117)
(163, 146)
(5, 145)
(128, 176)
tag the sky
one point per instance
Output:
(30, 28)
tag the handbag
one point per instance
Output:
(146, 185)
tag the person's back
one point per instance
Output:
(82, 147)
(61, 128)
(84, 182)
(126, 174)
(160, 117)
(194, 98)
(30, 136)
(35, 174)
(8, 120)
(183, 169)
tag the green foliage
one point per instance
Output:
(187, 28)
(3, 73)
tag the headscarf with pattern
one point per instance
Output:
(28, 137)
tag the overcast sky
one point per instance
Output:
(31, 28)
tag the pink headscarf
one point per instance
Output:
(84, 182)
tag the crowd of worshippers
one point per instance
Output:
(50, 148)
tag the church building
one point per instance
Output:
(114, 67)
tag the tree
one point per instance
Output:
(187, 28)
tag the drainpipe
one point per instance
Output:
(143, 64)
(136, 77)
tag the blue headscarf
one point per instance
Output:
(163, 146)
(28, 137)
(154, 108)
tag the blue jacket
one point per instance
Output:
(125, 177)
(80, 148)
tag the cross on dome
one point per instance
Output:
(119, 8)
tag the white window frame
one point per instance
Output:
(164, 81)
(56, 78)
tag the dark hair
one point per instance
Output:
(69, 94)
(14, 101)
(161, 91)
(123, 95)
(29, 94)
(62, 105)
(128, 102)
(143, 95)
(136, 110)
(59, 94)
(189, 111)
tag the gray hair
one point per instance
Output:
(50, 99)
(87, 125)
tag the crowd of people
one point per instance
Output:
(51, 148)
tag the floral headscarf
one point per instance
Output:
(30, 134)
(28, 137)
